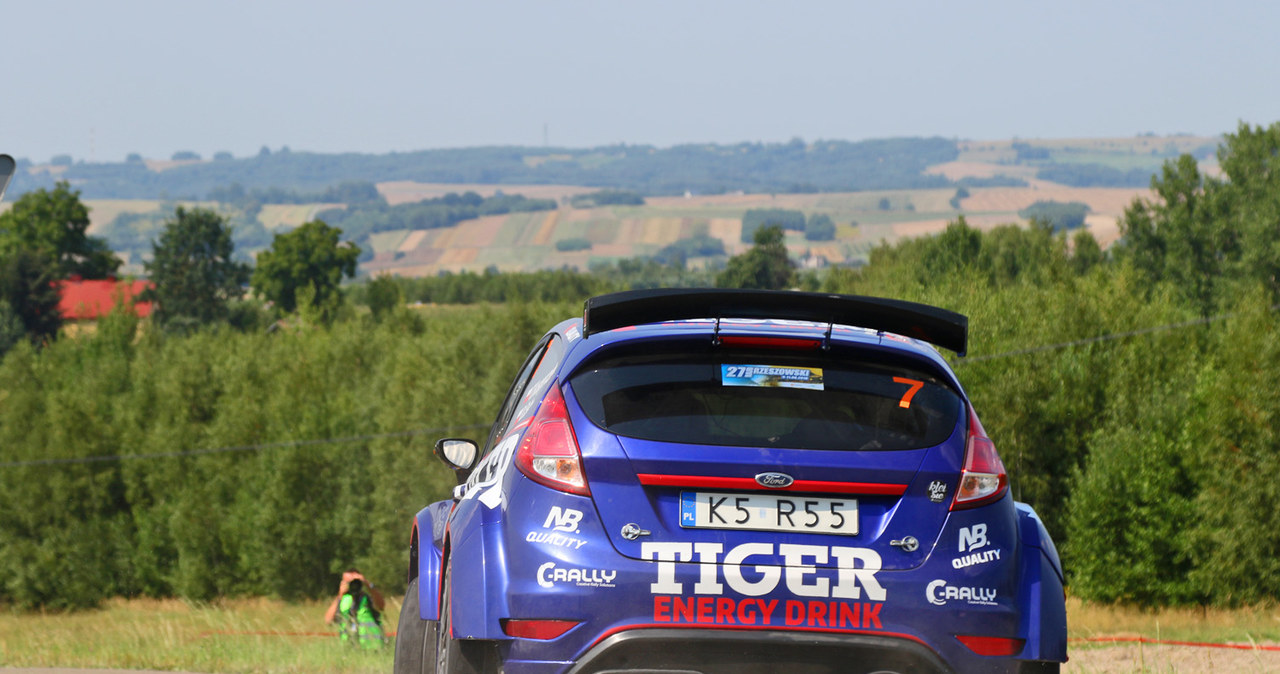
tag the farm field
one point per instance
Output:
(525, 241)
(1145, 152)
(103, 211)
(862, 220)
(274, 216)
(261, 635)
(405, 191)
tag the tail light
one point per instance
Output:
(548, 453)
(983, 478)
(760, 342)
(991, 646)
(536, 629)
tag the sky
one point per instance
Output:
(100, 80)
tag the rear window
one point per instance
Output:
(767, 399)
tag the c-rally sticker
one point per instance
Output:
(771, 376)
(939, 592)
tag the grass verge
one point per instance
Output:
(1252, 625)
(241, 635)
(261, 635)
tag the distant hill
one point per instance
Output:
(527, 241)
(873, 191)
(708, 168)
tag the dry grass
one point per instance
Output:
(251, 635)
(1090, 625)
(955, 170)
(1245, 625)
(261, 635)
(103, 211)
(1101, 200)
(407, 191)
(291, 215)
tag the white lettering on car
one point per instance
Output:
(856, 569)
(666, 555)
(565, 519)
(972, 538)
(939, 593)
(549, 574)
(975, 558)
(793, 556)
(732, 569)
(486, 487)
(555, 539)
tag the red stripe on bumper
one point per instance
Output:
(749, 484)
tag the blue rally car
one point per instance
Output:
(734, 481)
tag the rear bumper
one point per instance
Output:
(706, 651)
(694, 611)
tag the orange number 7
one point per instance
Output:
(915, 385)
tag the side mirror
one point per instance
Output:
(459, 454)
(7, 169)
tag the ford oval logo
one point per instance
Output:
(774, 480)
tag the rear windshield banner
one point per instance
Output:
(771, 376)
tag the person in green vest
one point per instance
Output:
(358, 611)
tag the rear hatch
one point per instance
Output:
(748, 442)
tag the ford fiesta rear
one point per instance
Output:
(679, 490)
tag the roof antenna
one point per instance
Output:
(826, 339)
(715, 336)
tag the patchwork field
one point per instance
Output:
(523, 241)
(863, 219)
(405, 191)
(274, 216)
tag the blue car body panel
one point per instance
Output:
(429, 527)
(522, 551)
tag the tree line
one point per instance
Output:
(620, 171)
(1129, 391)
(817, 227)
(704, 168)
(197, 279)
(1151, 453)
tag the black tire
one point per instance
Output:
(455, 656)
(415, 637)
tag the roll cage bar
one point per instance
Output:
(938, 326)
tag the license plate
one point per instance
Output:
(768, 512)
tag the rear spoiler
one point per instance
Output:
(944, 328)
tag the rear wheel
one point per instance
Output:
(458, 656)
(415, 637)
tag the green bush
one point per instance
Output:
(1063, 216)
(270, 511)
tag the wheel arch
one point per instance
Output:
(1045, 612)
(426, 553)
(473, 549)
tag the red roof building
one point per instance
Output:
(91, 300)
